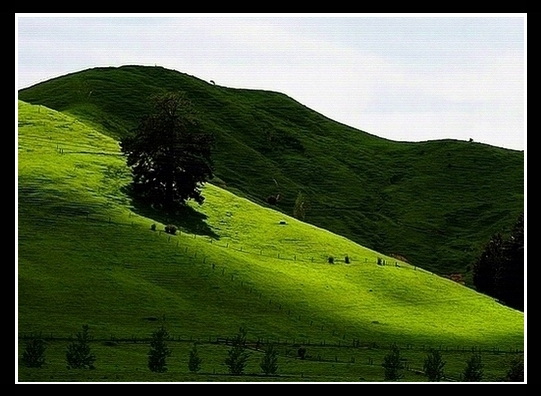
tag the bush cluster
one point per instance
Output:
(171, 229)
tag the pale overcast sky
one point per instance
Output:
(399, 76)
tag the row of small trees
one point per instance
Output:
(434, 365)
(236, 360)
(78, 355)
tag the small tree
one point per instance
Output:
(34, 353)
(159, 351)
(299, 210)
(78, 353)
(269, 361)
(194, 363)
(393, 364)
(237, 356)
(473, 372)
(433, 366)
(515, 373)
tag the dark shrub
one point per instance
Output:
(331, 260)
(78, 354)
(159, 351)
(194, 363)
(269, 362)
(171, 229)
(34, 353)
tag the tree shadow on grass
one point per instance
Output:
(184, 217)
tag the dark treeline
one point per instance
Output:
(499, 271)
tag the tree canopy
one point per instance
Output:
(499, 271)
(169, 155)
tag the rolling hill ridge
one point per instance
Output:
(433, 203)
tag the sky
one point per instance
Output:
(404, 77)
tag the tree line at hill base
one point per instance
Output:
(80, 356)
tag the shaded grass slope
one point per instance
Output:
(434, 203)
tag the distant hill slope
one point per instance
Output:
(434, 203)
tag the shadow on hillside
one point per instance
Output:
(186, 218)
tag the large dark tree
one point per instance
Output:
(487, 266)
(499, 271)
(169, 156)
(510, 282)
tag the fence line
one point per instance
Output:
(311, 258)
(260, 342)
(353, 343)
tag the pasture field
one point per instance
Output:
(87, 255)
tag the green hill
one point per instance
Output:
(87, 255)
(434, 203)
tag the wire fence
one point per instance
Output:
(70, 210)
(261, 342)
(92, 214)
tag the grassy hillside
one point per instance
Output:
(435, 203)
(87, 255)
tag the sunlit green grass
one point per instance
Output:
(86, 255)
